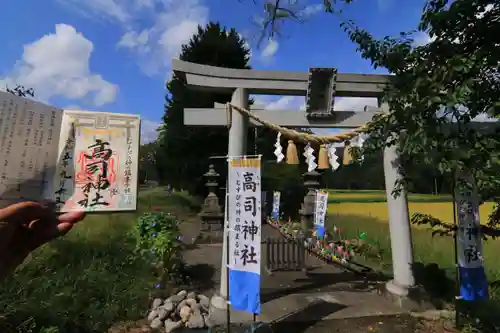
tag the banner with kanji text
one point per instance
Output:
(244, 217)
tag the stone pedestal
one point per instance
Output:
(211, 213)
(312, 181)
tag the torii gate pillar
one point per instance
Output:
(237, 147)
(399, 227)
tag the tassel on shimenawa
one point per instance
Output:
(291, 153)
(323, 158)
(347, 158)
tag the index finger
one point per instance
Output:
(23, 212)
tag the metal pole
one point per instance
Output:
(455, 244)
(228, 309)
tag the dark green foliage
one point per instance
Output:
(148, 168)
(158, 241)
(288, 180)
(455, 76)
(185, 150)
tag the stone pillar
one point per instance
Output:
(211, 215)
(237, 147)
(312, 181)
(399, 226)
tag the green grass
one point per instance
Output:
(86, 281)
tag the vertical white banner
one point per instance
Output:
(473, 282)
(320, 212)
(245, 222)
(276, 205)
(245, 214)
(469, 240)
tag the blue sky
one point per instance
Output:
(115, 55)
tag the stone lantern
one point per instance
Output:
(211, 214)
(312, 181)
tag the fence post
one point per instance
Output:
(284, 254)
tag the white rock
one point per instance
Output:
(196, 307)
(191, 295)
(156, 303)
(182, 293)
(206, 320)
(171, 325)
(175, 299)
(184, 313)
(169, 306)
(181, 305)
(204, 300)
(162, 313)
(152, 315)
(196, 321)
(190, 301)
(156, 323)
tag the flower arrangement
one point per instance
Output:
(331, 247)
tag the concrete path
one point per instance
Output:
(325, 293)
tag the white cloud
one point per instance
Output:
(175, 34)
(134, 40)
(169, 30)
(164, 26)
(58, 65)
(284, 103)
(311, 10)
(148, 131)
(278, 103)
(270, 49)
(110, 10)
(72, 107)
(298, 102)
(354, 103)
(422, 38)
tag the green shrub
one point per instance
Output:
(158, 241)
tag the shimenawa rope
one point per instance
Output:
(296, 135)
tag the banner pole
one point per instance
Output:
(228, 308)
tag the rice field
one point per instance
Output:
(373, 204)
(358, 212)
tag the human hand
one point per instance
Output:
(27, 225)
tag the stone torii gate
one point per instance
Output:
(320, 86)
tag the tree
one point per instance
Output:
(185, 150)
(437, 88)
(148, 166)
(440, 87)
